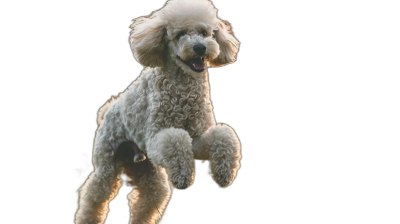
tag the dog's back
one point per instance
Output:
(103, 109)
(130, 146)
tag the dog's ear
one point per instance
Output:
(147, 41)
(228, 45)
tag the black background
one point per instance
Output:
(273, 96)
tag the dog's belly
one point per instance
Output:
(142, 125)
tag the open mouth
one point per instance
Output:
(196, 63)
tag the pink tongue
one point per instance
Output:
(198, 65)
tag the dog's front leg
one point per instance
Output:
(171, 148)
(221, 146)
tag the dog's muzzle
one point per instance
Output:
(197, 62)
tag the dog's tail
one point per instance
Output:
(104, 108)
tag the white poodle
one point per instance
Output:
(164, 119)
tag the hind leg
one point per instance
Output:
(151, 194)
(94, 196)
(129, 150)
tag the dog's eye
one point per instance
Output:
(204, 33)
(180, 35)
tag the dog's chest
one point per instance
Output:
(182, 104)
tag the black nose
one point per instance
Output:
(199, 49)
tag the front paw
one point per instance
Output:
(222, 172)
(175, 155)
(224, 150)
(181, 177)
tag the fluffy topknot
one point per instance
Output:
(185, 13)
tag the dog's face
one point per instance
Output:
(191, 49)
(186, 33)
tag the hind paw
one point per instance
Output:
(139, 158)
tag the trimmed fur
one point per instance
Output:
(166, 113)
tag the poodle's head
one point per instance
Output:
(186, 33)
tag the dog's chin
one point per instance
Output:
(196, 64)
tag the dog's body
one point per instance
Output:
(167, 112)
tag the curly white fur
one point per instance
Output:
(167, 112)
